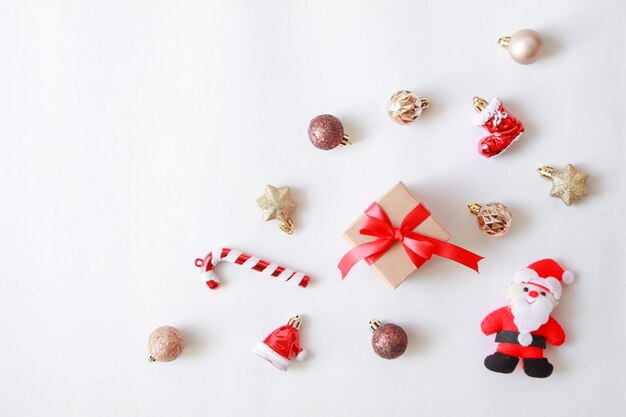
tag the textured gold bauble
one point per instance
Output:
(406, 107)
(494, 219)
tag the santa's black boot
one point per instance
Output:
(538, 368)
(499, 362)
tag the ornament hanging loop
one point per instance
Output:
(345, 140)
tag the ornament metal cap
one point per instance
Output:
(479, 103)
(374, 324)
(504, 41)
(474, 208)
(295, 322)
(546, 171)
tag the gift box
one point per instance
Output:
(396, 235)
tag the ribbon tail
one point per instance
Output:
(369, 251)
(457, 254)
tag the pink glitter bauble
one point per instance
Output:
(165, 344)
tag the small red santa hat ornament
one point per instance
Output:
(280, 346)
(546, 273)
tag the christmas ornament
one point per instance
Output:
(568, 184)
(524, 326)
(207, 266)
(280, 346)
(326, 132)
(396, 235)
(406, 107)
(525, 46)
(494, 219)
(389, 340)
(165, 344)
(276, 203)
(503, 128)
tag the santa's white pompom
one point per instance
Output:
(568, 277)
(302, 355)
(525, 339)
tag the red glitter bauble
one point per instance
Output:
(389, 341)
(326, 132)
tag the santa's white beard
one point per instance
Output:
(529, 317)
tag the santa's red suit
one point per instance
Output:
(501, 322)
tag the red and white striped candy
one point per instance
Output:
(207, 266)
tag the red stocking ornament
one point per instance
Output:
(503, 127)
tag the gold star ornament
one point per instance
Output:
(568, 184)
(277, 204)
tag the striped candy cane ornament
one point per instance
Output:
(207, 267)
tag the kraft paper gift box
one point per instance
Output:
(395, 266)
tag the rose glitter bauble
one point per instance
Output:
(389, 340)
(165, 344)
(525, 46)
(326, 132)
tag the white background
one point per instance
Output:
(136, 135)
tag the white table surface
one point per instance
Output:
(136, 135)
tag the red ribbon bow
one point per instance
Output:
(418, 247)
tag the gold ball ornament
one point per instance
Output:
(525, 46)
(165, 344)
(568, 184)
(406, 107)
(494, 219)
(277, 204)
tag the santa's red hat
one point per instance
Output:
(281, 345)
(546, 273)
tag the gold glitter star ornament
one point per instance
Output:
(277, 204)
(568, 184)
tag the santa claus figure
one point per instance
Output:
(525, 326)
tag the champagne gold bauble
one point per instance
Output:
(525, 46)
